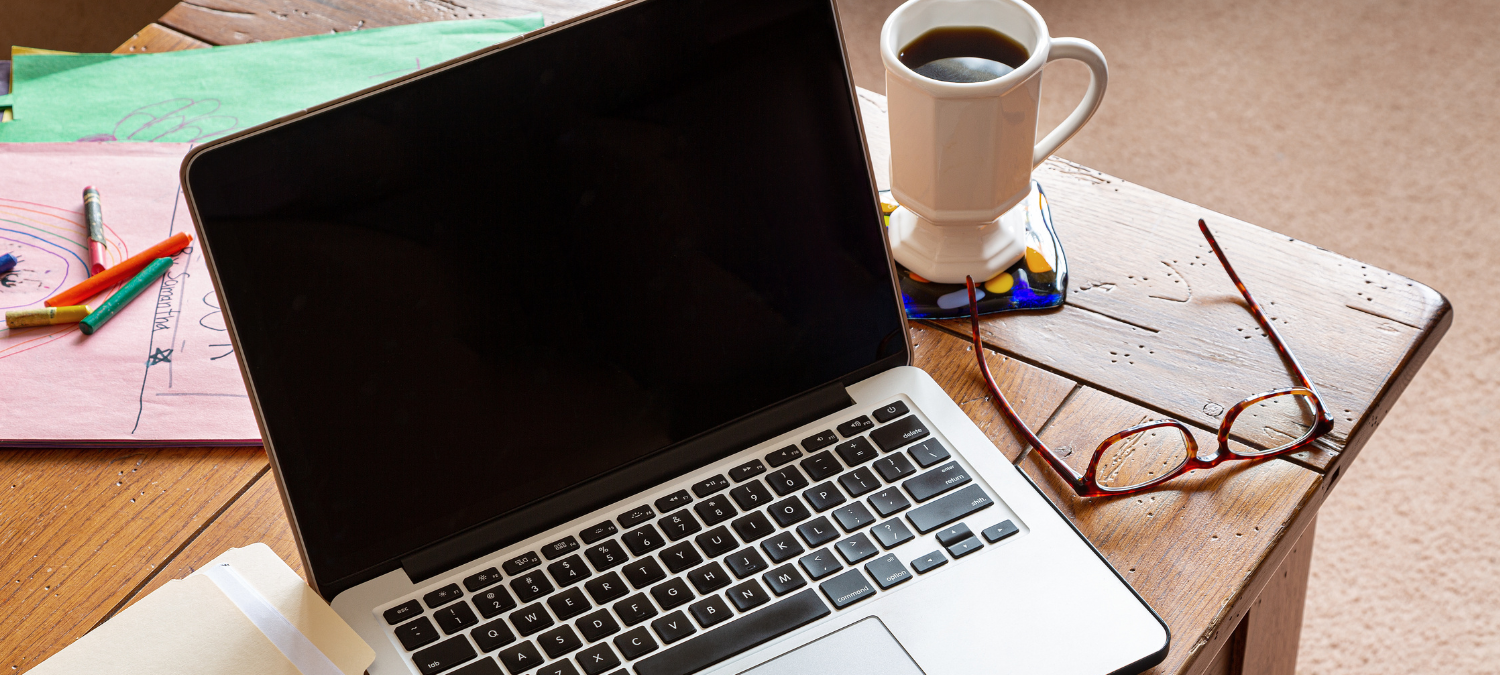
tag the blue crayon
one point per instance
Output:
(7, 262)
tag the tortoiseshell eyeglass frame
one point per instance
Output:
(1087, 483)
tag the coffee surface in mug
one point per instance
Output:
(963, 54)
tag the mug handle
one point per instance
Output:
(1079, 50)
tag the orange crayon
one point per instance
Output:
(93, 285)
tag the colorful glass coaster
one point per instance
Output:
(1039, 280)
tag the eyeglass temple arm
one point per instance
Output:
(1260, 318)
(1075, 479)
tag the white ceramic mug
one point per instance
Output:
(962, 153)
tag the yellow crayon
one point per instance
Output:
(46, 316)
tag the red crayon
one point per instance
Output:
(95, 216)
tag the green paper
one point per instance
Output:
(202, 94)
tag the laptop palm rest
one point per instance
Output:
(866, 647)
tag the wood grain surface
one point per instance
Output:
(228, 22)
(159, 38)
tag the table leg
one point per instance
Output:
(1265, 642)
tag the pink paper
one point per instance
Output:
(162, 371)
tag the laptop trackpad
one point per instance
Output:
(866, 647)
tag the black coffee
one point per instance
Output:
(963, 54)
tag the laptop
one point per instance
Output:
(583, 355)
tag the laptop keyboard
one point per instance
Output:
(702, 574)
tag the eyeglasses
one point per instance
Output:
(1153, 453)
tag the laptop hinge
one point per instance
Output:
(626, 481)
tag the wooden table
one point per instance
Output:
(1152, 327)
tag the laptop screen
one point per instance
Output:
(480, 287)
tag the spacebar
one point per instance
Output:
(737, 636)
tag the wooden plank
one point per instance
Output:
(1193, 546)
(80, 530)
(227, 22)
(159, 38)
(1273, 629)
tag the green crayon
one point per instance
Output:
(122, 297)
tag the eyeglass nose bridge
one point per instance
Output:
(1091, 476)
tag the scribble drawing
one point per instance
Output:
(180, 120)
(160, 356)
(48, 241)
(213, 320)
(228, 353)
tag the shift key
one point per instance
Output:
(929, 517)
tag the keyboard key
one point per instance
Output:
(698, 653)
(855, 426)
(894, 467)
(929, 562)
(786, 480)
(782, 546)
(522, 657)
(568, 604)
(716, 542)
(678, 525)
(892, 533)
(747, 471)
(559, 641)
(748, 596)
(853, 516)
(821, 465)
(455, 617)
(710, 486)
(521, 563)
(784, 455)
(710, 611)
(597, 626)
(962, 548)
(560, 548)
(817, 532)
(486, 578)
(784, 579)
(494, 601)
(948, 535)
(889, 501)
(753, 527)
(606, 588)
(937, 481)
(642, 540)
(643, 572)
(492, 636)
(890, 412)
(789, 511)
(856, 548)
(680, 557)
(417, 634)
(847, 589)
(929, 517)
(899, 433)
(597, 659)
(820, 563)
(480, 667)
(673, 501)
(995, 533)
(635, 644)
(824, 496)
(569, 571)
(606, 555)
(443, 596)
(745, 562)
(859, 482)
(887, 571)
(531, 586)
(928, 453)
(715, 510)
(636, 516)
(856, 451)
(443, 655)
(671, 593)
(402, 612)
(751, 495)
(558, 668)
(709, 578)
(597, 532)
(635, 609)
(673, 627)
(530, 619)
(820, 440)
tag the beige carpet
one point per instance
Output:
(1372, 129)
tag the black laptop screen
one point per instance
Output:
(478, 288)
